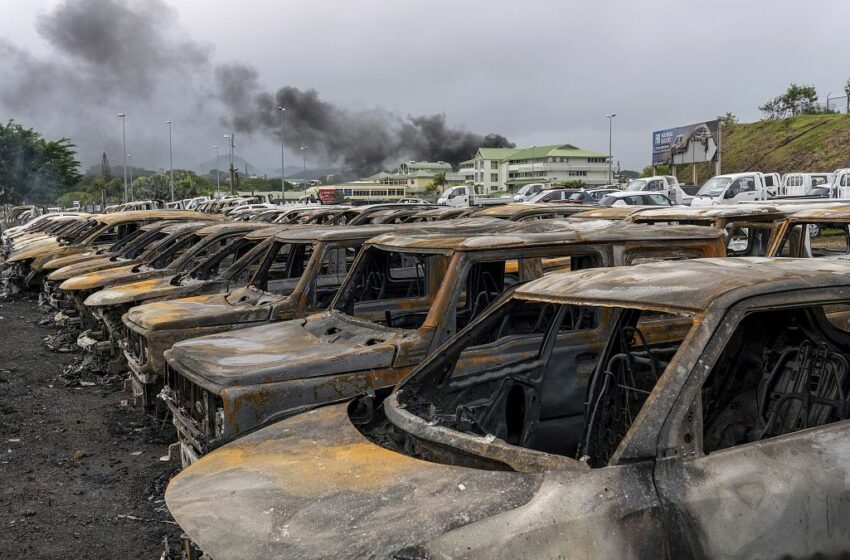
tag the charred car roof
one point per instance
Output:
(839, 212)
(688, 286)
(545, 232)
(233, 226)
(609, 213)
(709, 212)
(517, 210)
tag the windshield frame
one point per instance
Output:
(715, 186)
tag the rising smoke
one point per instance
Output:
(107, 55)
(362, 140)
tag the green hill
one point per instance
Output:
(804, 143)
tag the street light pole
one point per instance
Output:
(304, 158)
(282, 163)
(232, 140)
(124, 151)
(129, 157)
(170, 159)
(217, 172)
(610, 157)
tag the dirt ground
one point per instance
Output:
(81, 474)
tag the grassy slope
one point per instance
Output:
(806, 143)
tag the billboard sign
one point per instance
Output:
(694, 143)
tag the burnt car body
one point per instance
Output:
(193, 247)
(70, 293)
(609, 213)
(438, 214)
(94, 232)
(300, 273)
(748, 228)
(813, 233)
(625, 419)
(405, 295)
(525, 211)
(129, 250)
(44, 233)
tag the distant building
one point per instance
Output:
(507, 169)
(415, 176)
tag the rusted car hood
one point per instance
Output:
(313, 487)
(198, 311)
(72, 259)
(84, 266)
(111, 276)
(138, 291)
(48, 247)
(276, 352)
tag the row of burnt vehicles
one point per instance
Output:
(548, 382)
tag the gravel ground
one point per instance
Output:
(81, 474)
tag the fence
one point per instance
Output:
(837, 104)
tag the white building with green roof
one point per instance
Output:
(507, 169)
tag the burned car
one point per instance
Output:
(93, 232)
(129, 250)
(193, 247)
(748, 228)
(692, 409)
(299, 274)
(814, 233)
(522, 212)
(404, 296)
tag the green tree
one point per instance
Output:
(439, 180)
(797, 100)
(34, 169)
(661, 169)
(572, 183)
(727, 119)
(67, 200)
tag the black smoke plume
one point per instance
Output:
(116, 56)
(362, 140)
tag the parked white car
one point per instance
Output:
(526, 192)
(664, 184)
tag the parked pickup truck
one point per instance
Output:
(405, 295)
(732, 188)
(664, 184)
(464, 196)
(688, 409)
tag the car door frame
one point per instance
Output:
(684, 472)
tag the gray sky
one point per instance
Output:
(537, 72)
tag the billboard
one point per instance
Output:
(694, 143)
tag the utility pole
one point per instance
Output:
(282, 164)
(170, 159)
(124, 150)
(232, 139)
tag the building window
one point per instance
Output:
(494, 165)
(597, 160)
(578, 173)
(494, 177)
